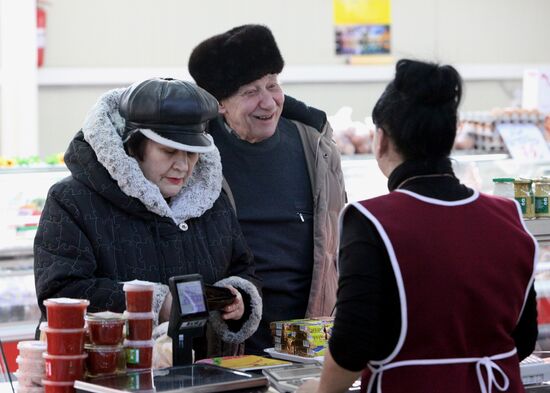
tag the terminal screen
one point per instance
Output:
(191, 297)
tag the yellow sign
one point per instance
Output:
(362, 12)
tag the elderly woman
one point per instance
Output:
(144, 202)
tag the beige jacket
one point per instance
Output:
(329, 197)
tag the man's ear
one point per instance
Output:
(221, 109)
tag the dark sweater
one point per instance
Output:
(272, 190)
(358, 280)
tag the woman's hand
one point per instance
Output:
(164, 313)
(310, 386)
(234, 310)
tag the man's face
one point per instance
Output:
(254, 110)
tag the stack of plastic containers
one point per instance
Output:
(30, 371)
(139, 314)
(105, 351)
(64, 357)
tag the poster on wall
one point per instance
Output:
(362, 27)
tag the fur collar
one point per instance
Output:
(102, 130)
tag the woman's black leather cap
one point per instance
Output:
(169, 111)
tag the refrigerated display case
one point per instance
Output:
(23, 194)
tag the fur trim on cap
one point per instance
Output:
(251, 325)
(225, 62)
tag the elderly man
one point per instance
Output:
(282, 170)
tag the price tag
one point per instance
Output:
(524, 141)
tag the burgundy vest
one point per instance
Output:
(463, 271)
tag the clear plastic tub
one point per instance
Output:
(30, 389)
(29, 379)
(66, 313)
(139, 295)
(58, 387)
(105, 359)
(139, 354)
(30, 366)
(106, 328)
(140, 325)
(64, 341)
(32, 349)
(64, 368)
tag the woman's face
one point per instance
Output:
(166, 167)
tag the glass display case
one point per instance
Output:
(24, 191)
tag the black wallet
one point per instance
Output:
(218, 297)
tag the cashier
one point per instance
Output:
(436, 279)
(144, 201)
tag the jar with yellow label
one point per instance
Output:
(524, 195)
(542, 195)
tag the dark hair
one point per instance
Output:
(418, 109)
(135, 146)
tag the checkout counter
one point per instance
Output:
(188, 317)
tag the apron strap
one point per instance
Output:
(491, 368)
(485, 368)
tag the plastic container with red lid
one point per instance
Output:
(140, 325)
(64, 368)
(139, 354)
(106, 328)
(139, 295)
(66, 313)
(105, 359)
(64, 341)
(58, 386)
(31, 349)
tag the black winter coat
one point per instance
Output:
(92, 236)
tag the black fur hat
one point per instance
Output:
(225, 62)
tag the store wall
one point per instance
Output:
(162, 33)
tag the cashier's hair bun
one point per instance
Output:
(418, 109)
